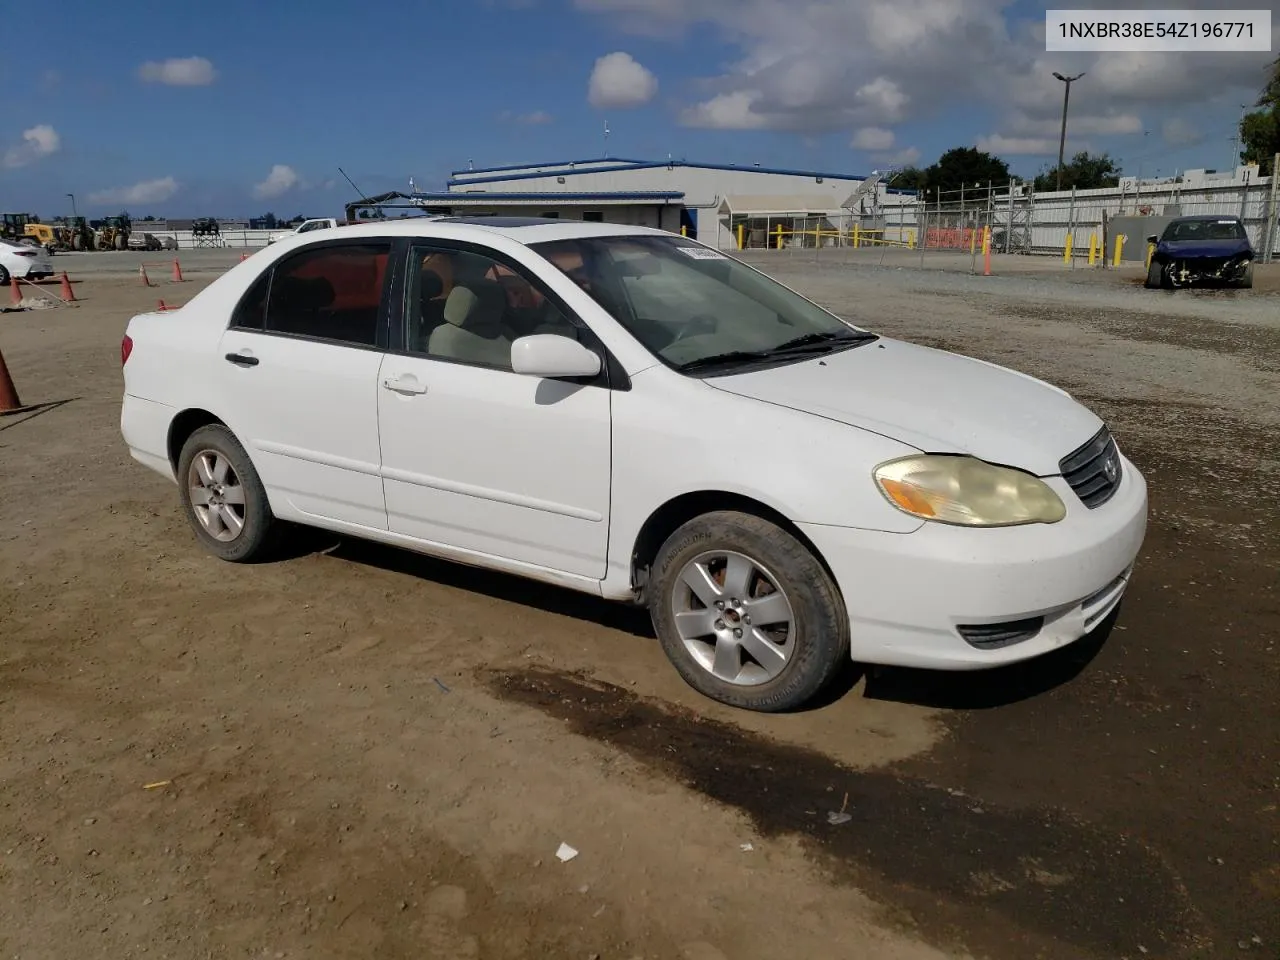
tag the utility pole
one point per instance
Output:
(1062, 139)
(1237, 140)
(74, 215)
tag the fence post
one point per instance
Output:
(1270, 236)
(1008, 232)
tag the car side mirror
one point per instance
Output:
(1153, 239)
(551, 355)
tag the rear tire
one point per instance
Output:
(223, 497)
(4, 277)
(712, 576)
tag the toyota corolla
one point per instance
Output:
(633, 414)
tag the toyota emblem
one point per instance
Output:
(1110, 469)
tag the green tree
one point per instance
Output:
(1084, 171)
(1260, 130)
(965, 167)
(909, 178)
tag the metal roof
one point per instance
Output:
(553, 163)
(644, 165)
(602, 196)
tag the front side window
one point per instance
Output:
(332, 292)
(696, 308)
(468, 307)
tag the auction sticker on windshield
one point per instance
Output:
(702, 253)
(1158, 31)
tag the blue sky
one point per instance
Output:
(238, 107)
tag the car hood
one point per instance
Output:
(1203, 248)
(935, 401)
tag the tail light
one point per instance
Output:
(126, 348)
(23, 253)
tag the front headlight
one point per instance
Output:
(967, 492)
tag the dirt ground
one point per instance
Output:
(357, 752)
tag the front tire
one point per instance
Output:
(1155, 276)
(1246, 278)
(746, 613)
(223, 497)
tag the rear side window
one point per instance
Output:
(251, 311)
(332, 292)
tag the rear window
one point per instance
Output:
(332, 292)
(1224, 229)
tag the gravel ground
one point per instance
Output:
(359, 752)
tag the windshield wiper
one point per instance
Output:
(822, 340)
(726, 359)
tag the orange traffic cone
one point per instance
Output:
(142, 275)
(162, 306)
(68, 294)
(244, 257)
(15, 294)
(9, 402)
(177, 272)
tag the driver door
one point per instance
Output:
(476, 456)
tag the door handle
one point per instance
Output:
(242, 359)
(403, 385)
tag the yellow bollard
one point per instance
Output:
(1066, 249)
(1115, 260)
(911, 239)
(779, 245)
(684, 231)
(740, 246)
(1093, 249)
(857, 236)
(1151, 250)
(973, 241)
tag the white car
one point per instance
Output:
(24, 261)
(633, 414)
(306, 226)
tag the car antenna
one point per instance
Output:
(360, 193)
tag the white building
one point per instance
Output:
(720, 204)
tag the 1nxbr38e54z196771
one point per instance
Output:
(633, 414)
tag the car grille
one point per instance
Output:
(1094, 470)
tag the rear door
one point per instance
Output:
(299, 374)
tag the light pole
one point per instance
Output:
(74, 215)
(1062, 139)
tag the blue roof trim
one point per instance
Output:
(482, 195)
(655, 164)
(555, 163)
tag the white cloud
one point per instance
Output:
(908, 157)
(917, 60)
(148, 191)
(179, 72)
(280, 181)
(532, 119)
(38, 141)
(1178, 132)
(727, 111)
(619, 81)
(1018, 146)
(872, 138)
(883, 98)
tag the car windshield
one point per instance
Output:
(696, 308)
(1224, 229)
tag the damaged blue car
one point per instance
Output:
(1208, 247)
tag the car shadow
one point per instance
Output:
(499, 586)
(947, 690)
(988, 689)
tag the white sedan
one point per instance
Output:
(24, 261)
(633, 414)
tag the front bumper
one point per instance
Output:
(907, 594)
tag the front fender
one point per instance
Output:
(674, 435)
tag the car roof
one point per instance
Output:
(524, 230)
